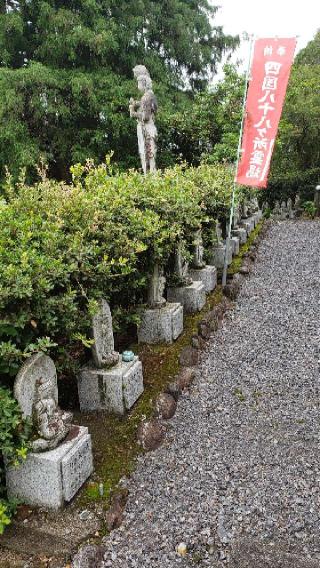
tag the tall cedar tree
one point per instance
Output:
(66, 75)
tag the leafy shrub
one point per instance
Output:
(309, 208)
(14, 435)
(62, 247)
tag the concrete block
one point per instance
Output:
(161, 325)
(192, 297)
(218, 254)
(206, 275)
(115, 389)
(50, 479)
(235, 245)
(241, 233)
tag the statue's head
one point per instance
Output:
(142, 75)
(44, 389)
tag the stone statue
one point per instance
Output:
(52, 423)
(156, 288)
(181, 267)
(197, 261)
(218, 233)
(103, 351)
(144, 111)
(36, 391)
(290, 208)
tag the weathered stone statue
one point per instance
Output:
(144, 111)
(198, 251)
(156, 288)
(61, 456)
(53, 424)
(218, 233)
(181, 267)
(103, 351)
(37, 393)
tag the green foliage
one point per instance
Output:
(66, 77)
(14, 435)
(62, 247)
(310, 209)
(297, 150)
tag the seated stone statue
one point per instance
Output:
(52, 424)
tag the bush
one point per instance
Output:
(62, 247)
(14, 435)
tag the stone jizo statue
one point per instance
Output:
(156, 288)
(103, 351)
(198, 253)
(181, 267)
(218, 234)
(52, 423)
(144, 111)
(36, 391)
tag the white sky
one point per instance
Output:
(269, 18)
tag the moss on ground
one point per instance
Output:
(238, 260)
(115, 446)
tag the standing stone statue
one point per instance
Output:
(218, 233)
(144, 111)
(156, 288)
(198, 251)
(103, 351)
(181, 267)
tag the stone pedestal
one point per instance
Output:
(241, 233)
(192, 297)
(50, 479)
(206, 275)
(248, 225)
(115, 389)
(258, 216)
(235, 245)
(161, 325)
(218, 254)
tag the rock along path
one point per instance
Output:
(238, 479)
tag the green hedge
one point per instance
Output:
(62, 247)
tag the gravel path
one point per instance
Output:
(238, 479)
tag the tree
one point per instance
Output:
(297, 148)
(66, 74)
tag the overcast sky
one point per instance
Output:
(269, 18)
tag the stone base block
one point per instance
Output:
(206, 275)
(51, 478)
(115, 390)
(248, 225)
(192, 297)
(235, 245)
(161, 325)
(258, 216)
(218, 254)
(241, 233)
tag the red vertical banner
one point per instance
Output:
(270, 70)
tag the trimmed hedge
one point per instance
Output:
(62, 247)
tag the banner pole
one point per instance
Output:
(228, 240)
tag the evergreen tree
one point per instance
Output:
(66, 74)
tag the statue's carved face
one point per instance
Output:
(142, 84)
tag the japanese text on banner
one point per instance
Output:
(270, 72)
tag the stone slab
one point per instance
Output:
(49, 479)
(115, 390)
(161, 325)
(193, 297)
(235, 245)
(217, 256)
(206, 275)
(241, 233)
